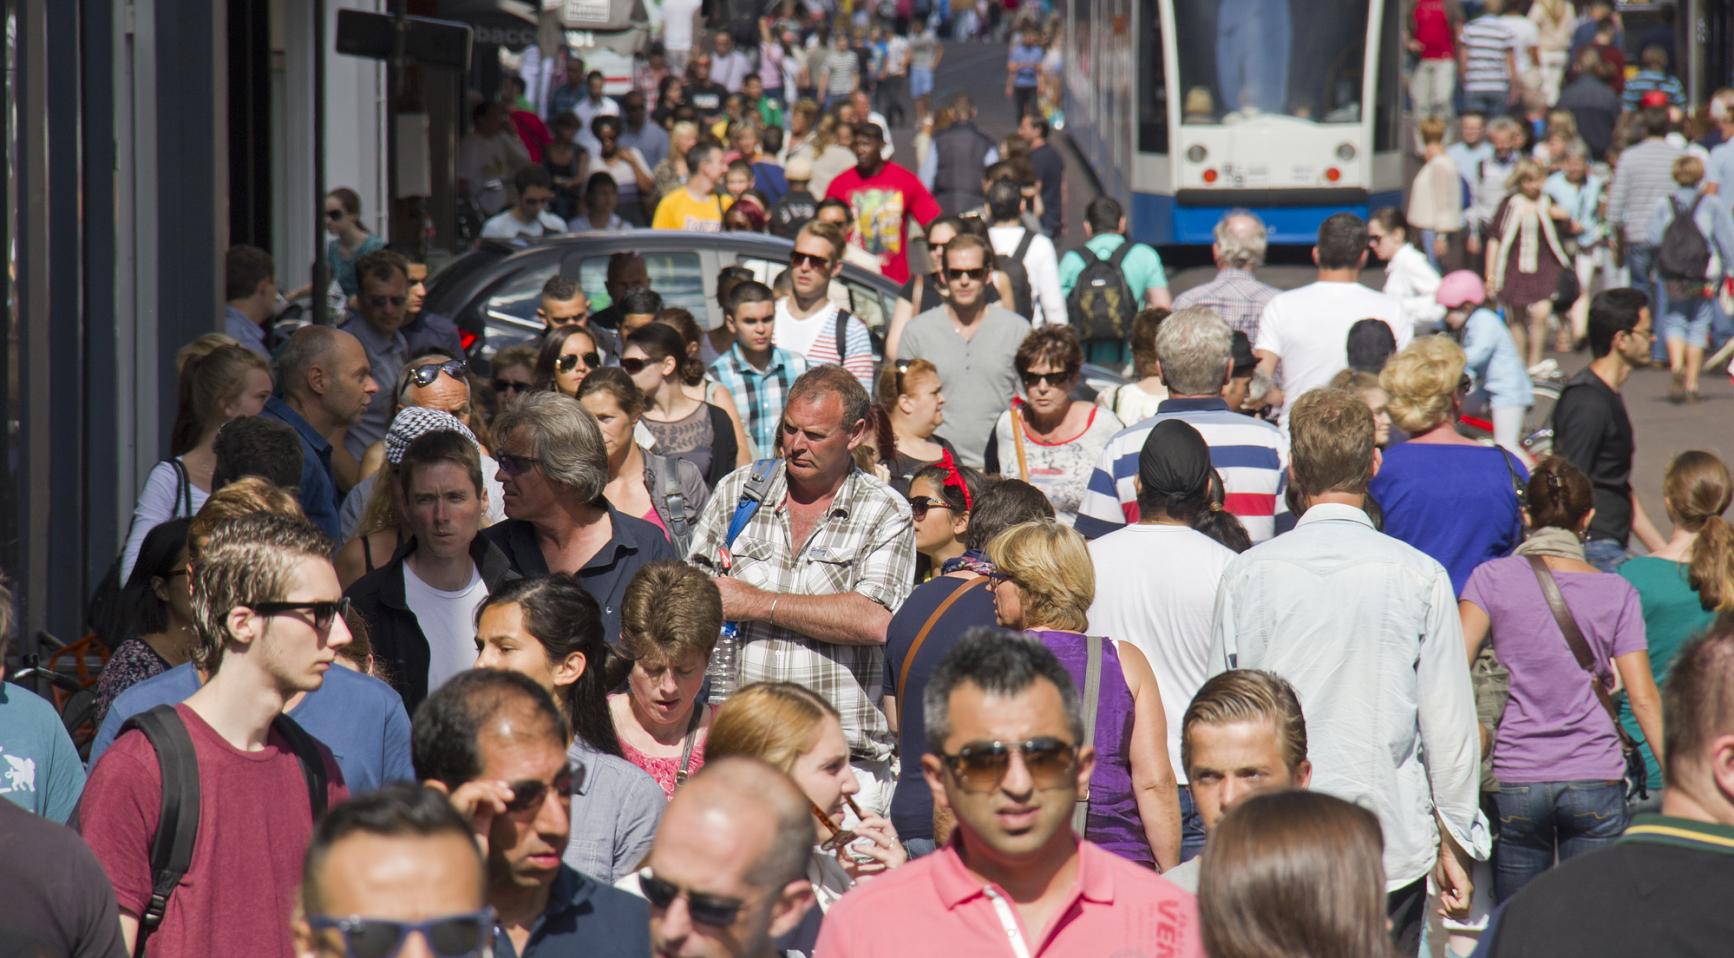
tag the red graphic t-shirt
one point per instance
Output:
(881, 206)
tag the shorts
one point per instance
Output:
(1688, 320)
(920, 82)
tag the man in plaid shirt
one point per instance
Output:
(1235, 294)
(813, 576)
(754, 371)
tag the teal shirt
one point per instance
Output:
(1672, 614)
(40, 771)
(1142, 267)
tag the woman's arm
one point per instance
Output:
(1153, 783)
(1475, 626)
(900, 318)
(1646, 702)
(721, 398)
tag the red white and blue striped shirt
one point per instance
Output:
(1250, 454)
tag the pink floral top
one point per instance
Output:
(665, 770)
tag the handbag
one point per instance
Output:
(1637, 773)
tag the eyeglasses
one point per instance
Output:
(448, 936)
(1464, 382)
(634, 365)
(323, 612)
(333, 215)
(997, 578)
(425, 375)
(978, 274)
(515, 466)
(717, 911)
(919, 505)
(981, 766)
(530, 793)
(1055, 380)
(569, 361)
(798, 259)
(381, 302)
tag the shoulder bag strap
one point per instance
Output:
(1017, 421)
(691, 739)
(1575, 640)
(183, 489)
(178, 824)
(752, 495)
(926, 627)
(1092, 692)
(1023, 247)
(306, 749)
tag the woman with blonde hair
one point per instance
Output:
(671, 173)
(1525, 257)
(1043, 582)
(1685, 584)
(800, 734)
(1441, 492)
(1298, 874)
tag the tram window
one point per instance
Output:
(1300, 58)
(1153, 81)
(1386, 109)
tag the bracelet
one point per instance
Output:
(773, 615)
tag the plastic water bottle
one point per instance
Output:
(723, 673)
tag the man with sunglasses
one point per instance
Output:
(393, 873)
(727, 874)
(808, 323)
(495, 743)
(378, 323)
(1007, 757)
(268, 627)
(974, 344)
(528, 217)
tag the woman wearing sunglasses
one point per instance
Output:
(669, 493)
(1047, 438)
(940, 497)
(514, 374)
(1043, 583)
(549, 629)
(909, 392)
(566, 356)
(799, 733)
(685, 428)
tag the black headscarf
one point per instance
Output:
(1174, 465)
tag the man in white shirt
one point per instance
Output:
(488, 155)
(595, 104)
(1365, 627)
(529, 218)
(678, 19)
(1305, 331)
(729, 66)
(1041, 264)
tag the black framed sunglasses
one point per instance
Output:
(919, 506)
(515, 466)
(510, 386)
(997, 578)
(634, 364)
(323, 612)
(449, 936)
(425, 375)
(569, 361)
(334, 215)
(981, 766)
(528, 795)
(977, 274)
(798, 258)
(1055, 380)
(717, 911)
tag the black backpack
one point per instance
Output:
(1013, 267)
(178, 826)
(1101, 306)
(1683, 259)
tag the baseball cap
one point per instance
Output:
(1459, 288)
(1653, 98)
(1244, 359)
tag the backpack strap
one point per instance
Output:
(1092, 691)
(178, 824)
(1119, 254)
(306, 748)
(842, 334)
(673, 501)
(183, 489)
(752, 496)
(1023, 246)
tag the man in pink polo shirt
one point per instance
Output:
(1004, 735)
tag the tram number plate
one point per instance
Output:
(1241, 175)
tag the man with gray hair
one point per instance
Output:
(1235, 294)
(811, 555)
(1197, 358)
(325, 383)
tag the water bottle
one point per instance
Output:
(722, 674)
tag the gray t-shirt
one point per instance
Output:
(1184, 876)
(978, 375)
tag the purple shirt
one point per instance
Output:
(1554, 729)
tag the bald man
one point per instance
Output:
(326, 382)
(726, 876)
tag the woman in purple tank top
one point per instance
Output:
(1044, 583)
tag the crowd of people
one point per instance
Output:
(648, 638)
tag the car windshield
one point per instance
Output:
(1296, 58)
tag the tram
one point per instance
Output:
(1289, 108)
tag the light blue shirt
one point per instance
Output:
(1467, 158)
(358, 717)
(1581, 201)
(615, 808)
(1720, 170)
(245, 331)
(1365, 627)
(39, 768)
(1493, 361)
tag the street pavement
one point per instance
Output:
(1662, 428)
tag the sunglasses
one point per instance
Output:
(323, 612)
(919, 506)
(380, 302)
(515, 465)
(981, 766)
(798, 259)
(425, 375)
(333, 215)
(634, 365)
(529, 794)
(716, 911)
(1055, 380)
(448, 936)
(569, 361)
(510, 386)
(978, 274)
(997, 578)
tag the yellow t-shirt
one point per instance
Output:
(679, 211)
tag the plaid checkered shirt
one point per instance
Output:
(865, 544)
(1235, 295)
(759, 396)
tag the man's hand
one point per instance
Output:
(478, 802)
(742, 602)
(1451, 878)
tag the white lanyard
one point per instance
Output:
(1008, 922)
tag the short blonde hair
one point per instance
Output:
(1688, 170)
(1432, 129)
(1051, 564)
(1525, 169)
(774, 722)
(1421, 379)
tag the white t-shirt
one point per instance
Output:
(798, 335)
(1042, 266)
(1309, 329)
(1156, 588)
(447, 620)
(506, 225)
(677, 23)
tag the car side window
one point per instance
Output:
(678, 276)
(513, 301)
(865, 302)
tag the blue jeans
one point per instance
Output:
(1191, 827)
(1605, 554)
(1492, 104)
(917, 847)
(1541, 819)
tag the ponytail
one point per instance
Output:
(1711, 568)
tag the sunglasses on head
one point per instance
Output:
(981, 766)
(569, 361)
(798, 258)
(425, 375)
(1055, 380)
(716, 911)
(919, 506)
(448, 936)
(977, 274)
(323, 612)
(529, 794)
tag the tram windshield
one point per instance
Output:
(1243, 58)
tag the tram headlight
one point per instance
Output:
(1346, 152)
(1196, 153)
